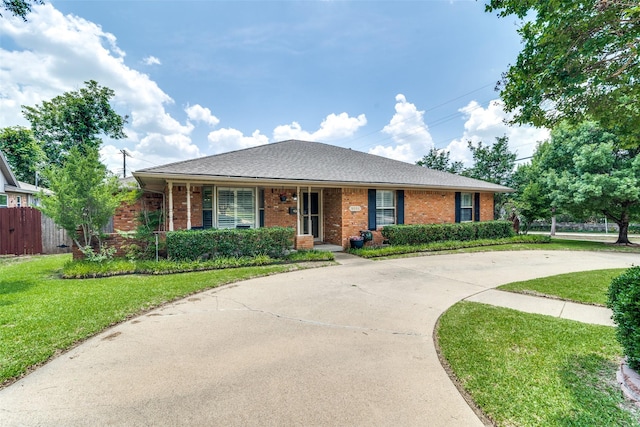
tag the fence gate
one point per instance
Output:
(20, 231)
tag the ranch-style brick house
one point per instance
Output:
(326, 193)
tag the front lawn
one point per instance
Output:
(532, 370)
(42, 314)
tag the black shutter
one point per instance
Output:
(400, 206)
(476, 207)
(372, 209)
(458, 206)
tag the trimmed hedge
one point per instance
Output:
(229, 243)
(430, 233)
(624, 301)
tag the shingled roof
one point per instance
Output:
(310, 163)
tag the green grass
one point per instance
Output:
(531, 370)
(42, 314)
(517, 243)
(587, 287)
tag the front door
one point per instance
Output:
(311, 200)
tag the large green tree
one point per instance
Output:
(75, 119)
(590, 172)
(19, 7)
(24, 154)
(580, 60)
(85, 196)
(493, 163)
(440, 160)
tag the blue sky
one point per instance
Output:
(392, 78)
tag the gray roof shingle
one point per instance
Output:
(305, 161)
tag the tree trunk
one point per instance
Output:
(623, 232)
(553, 226)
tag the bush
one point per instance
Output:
(624, 301)
(229, 243)
(431, 233)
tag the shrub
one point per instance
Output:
(624, 301)
(431, 233)
(229, 243)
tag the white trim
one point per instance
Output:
(188, 206)
(170, 184)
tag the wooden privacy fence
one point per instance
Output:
(55, 240)
(20, 231)
(25, 231)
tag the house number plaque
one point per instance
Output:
(355, 208)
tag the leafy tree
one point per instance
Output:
(22, 152)
(75, 119)
(440, 160)
(493, 163)
(590, 173)
(85, 196)
(19, 7)
(580, 61)
(531, 199)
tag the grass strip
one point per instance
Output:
(586, 287)
(531, 370)
(42, 314)
(517, 243)
(80, 269)
(376, 252)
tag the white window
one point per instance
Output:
(466, 207)
(385, 207)
(4, 201)
(236, 208)
(19, 201)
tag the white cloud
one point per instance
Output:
(60, 52)
(198, 113)
(151, 60)
(223, 140)
(485, 124)
(334, 126)
(409, 132)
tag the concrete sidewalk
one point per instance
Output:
(547, 306)
(349, 344)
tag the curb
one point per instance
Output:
(629, 381)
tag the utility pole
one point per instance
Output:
(124, 162)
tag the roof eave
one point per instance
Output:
(142, 177)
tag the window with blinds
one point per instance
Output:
(466, 207)
(236, 208)
(385, 207)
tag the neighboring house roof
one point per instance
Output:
(9, 177)
(12, 184)
(309, 163)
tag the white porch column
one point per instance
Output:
(188, 206)
(170, 184)
(309, 229)
(298, 223)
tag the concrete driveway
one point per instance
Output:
(339, 346)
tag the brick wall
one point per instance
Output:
(276, 212)
(126, 216)
(354, 220)
(332, 215)
(486, 206)
(429, 207)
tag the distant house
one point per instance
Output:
(326, 193)
(14, 193)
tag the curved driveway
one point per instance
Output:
(344, 345)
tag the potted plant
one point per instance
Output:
(357, 242)
(283, 197)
